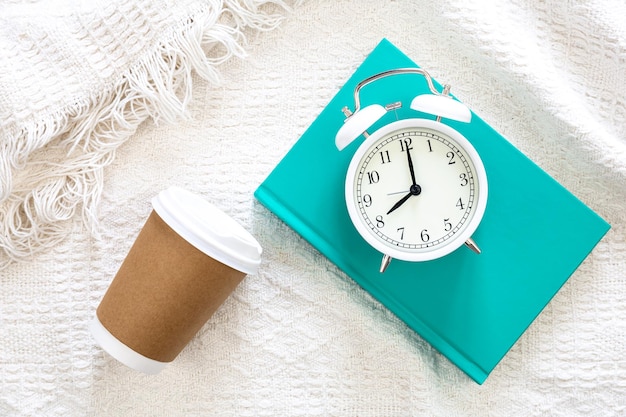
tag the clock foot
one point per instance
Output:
(472, 245)
(385, 263)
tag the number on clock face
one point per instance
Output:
(434, 203)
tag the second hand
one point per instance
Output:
(415, 189)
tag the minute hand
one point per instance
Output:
(411, 170)
(413, 190)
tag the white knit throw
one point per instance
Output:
(77, 79)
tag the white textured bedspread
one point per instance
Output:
(299, 338)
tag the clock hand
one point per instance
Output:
(411, 170)
(400, 202)
(415, 188)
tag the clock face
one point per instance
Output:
(416, 189)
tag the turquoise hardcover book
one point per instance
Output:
(471, 308)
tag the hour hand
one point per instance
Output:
(400, 202)
(414, 190)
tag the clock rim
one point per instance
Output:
(417, 255)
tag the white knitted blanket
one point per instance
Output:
(76, 79)
(77, 82)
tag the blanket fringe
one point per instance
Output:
(39, 197)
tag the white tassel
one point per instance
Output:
(39, 196)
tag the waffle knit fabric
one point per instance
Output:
(75, 82)
(300, 338)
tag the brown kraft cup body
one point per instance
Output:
(167, 288)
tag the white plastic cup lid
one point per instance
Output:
(209, 229)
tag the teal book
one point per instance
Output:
(471, 308)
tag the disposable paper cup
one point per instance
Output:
(187, 259)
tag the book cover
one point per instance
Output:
(471, 308)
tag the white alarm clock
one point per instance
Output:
(416, 189)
